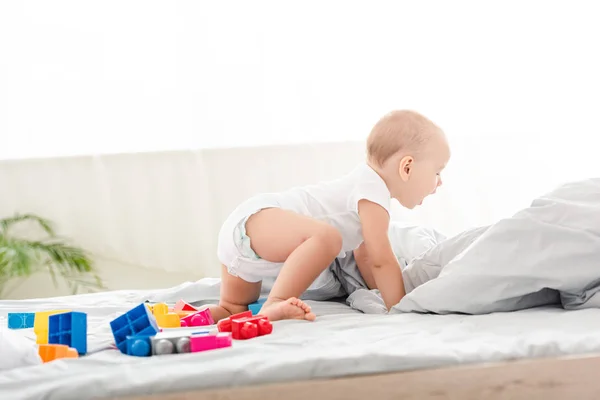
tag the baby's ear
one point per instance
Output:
(405, 167)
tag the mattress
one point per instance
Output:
(341, 342)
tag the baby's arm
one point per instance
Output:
(384, 265)
(361, 257)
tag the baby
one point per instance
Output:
(296, 234)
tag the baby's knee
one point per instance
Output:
(331, 240)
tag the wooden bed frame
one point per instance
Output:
(549, 379)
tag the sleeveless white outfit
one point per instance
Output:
(334, 202)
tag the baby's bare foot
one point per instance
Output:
(291, 308)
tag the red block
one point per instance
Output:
(241, 329)
(183, 306)
(265, 327)
(224, 325)
(247, 328)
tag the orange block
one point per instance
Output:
(183, 314)
(72, 353)
(51, 352)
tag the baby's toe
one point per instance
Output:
(304, 306)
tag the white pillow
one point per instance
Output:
(17, 351)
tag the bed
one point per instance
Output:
(343, 354)
(504, 307)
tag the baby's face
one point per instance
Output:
(423, 176)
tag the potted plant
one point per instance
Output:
(21, 257)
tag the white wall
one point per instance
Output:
(83, 77)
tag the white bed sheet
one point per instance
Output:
(341, 342)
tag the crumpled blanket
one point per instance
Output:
(420, 266)
(545, 254)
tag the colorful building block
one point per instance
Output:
(21, 320)
(51, 352)
(160, 308)
(170, 344)
(224, 325)
(183, 314)
(138, 346)
(69, 329)
(184, 306)
(200, 318)
(169, 320)
(40, 325)
(210, 341)
(164, 318)
(136, 322)
(248, 328)
(255, 307)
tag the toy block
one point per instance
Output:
(136, 322)
(169, 320)
(138, 346)
(255, 307)
(40, 325)
(160, 308)
(210, 342)
(224, 325)
(248, 328)
(200, 318)
(51, 352)
(170, 345)
(69, 329)
(21, 320)
(183, 314)
(183, 306)
(164, 318)
(265, 327)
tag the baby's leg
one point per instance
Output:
(305, 245)
(236, 294)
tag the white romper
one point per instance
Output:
(334, 202)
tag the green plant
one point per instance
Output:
(20, 257)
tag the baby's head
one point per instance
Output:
(409, 152)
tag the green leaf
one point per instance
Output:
(7, 223)
(21, 257)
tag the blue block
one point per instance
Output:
(20, 320)
(138, 346)
(255, 307)
(70, 329)
(136, 322)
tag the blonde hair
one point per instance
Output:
(399, 130)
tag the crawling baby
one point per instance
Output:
(296, 234)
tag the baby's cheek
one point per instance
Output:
(434, 187)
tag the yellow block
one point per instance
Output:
(40, 325)
(164, 318)
(168, 320)
(160, 308)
